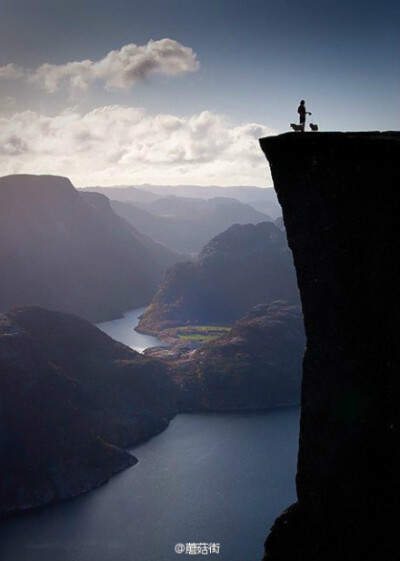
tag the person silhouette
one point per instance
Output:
(301, 110)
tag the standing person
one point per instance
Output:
(301, 110)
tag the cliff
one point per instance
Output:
(244, 266)
(70, 252)
(340, 200)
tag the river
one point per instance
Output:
(209, 478)
(123, 330)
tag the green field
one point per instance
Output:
(201, 333)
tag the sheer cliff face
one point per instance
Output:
(340, 199)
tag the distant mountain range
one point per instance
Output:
(187, 224)
(262, 199)
(238, 269)
(69, 251)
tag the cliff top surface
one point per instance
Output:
(325, 138)
(307, 136)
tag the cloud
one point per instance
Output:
(118, 69)
(124, 145)
(11, 71)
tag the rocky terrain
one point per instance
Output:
(71, 253)
(255, 365)
(340, 199)
(238, 269)
(72, 399)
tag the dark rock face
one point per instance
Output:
(50, 448)
(133, 395)
(256, 365)
(238, 269)
(71, 399)
(72, 254)
(340, 200)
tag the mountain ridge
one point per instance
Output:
(60, 251)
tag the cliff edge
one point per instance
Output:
(340, 199)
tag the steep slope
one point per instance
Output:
(70, 399)
(132, 395)
(238, 269)
(50, 446)
(340, 199)
(63, 252)
(186, 224)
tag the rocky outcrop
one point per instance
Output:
(50, 448)
(340, 200)
(71, 253)
(238, 269)
(255, 365)
(71, 399)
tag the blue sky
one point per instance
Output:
(234, 71)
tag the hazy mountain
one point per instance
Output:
(236, 270)
(71, 252)
(71, 397)
(262, 199)
(186, 224)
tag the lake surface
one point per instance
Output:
(123, 330)
(208, 478)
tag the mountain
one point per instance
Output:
(50, 448)
(238, 269)
(71, 400)
(262, 199)
(344, 234)
(70, 252)
(256, 365)
(186, 224)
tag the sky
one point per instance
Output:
(179, 91)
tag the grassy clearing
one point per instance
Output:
(201, 333)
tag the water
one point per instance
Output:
(219, 478)
(210, 477)
(123, 330)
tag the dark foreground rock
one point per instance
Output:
(71, 400)
(340, 199)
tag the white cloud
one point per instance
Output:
(11, 71)
(115, 144)
(118, 69)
